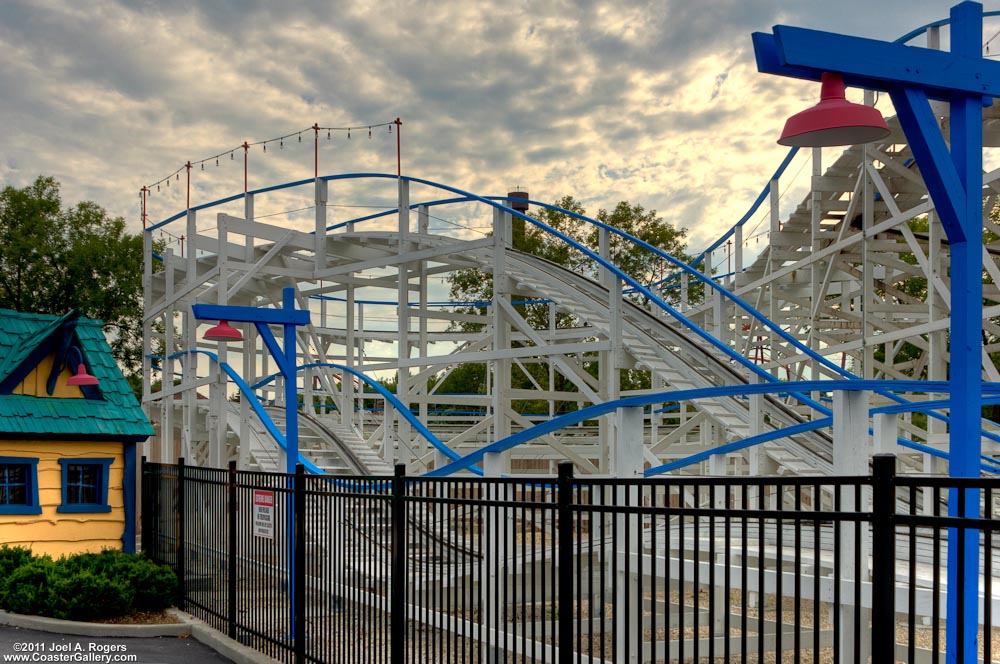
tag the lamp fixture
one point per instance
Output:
(82, 378)
(834, 120)
(223, 333)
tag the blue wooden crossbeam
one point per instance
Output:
(251, 314)
(872, 64)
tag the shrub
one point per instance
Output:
(98, 563)
(12, 557)
(155, 585)
(85, 586)
(30, 589)
(86, 595)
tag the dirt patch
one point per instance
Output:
(142, 618)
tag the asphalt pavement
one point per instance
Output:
(16, 642)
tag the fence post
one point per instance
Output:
(565, 553)
(299, 576)
(144, 508)
(883, 558)
(231, 588)
(397, 603)
(180, 533)
(154, 540)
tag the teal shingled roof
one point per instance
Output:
(116, 415)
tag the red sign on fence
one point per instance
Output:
(263, 513)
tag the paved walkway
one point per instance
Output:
(16, 641)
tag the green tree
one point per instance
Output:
(54, 259)
(474, 285)
(646, 267)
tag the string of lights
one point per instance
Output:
(280, 140)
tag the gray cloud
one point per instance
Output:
(654, 102)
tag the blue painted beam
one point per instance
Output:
(250, 314)
(870, 63)
(931, 152)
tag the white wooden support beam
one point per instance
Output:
(886, 433)
(737, 256)
(496, 552)
(758, 463)
(168, 428)
(867, 263)
(775, 216)
(308, 406)
(347, 388)
(938, 309)
(710, 323)
(246, 413)
(191, 230)
(501, 325)
(628, 464)
(551, 307)
(816, 269)
(850, 432)
(755, 456)
(850, 457)
(719, 324)
(403, 314)
(773, 304)
(190, 336)
(423, 227)
(218, 457)
(609, 373)
(388, 444)
(322, 196)
(717, 468)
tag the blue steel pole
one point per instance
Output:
(289, 318)
(291, 442)
(954, 180)
(291, 391)
(966, 345)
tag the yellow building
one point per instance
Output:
(69, 426)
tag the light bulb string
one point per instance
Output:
(175, 175)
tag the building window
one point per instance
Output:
(85, 485)
(19, 486)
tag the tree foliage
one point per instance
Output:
(644, 266)
(54, 259)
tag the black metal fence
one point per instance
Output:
(576, 569)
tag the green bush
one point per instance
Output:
(31, 589)
(12, 557)
(85, 586)
(155, 585)
(88, 596)
(98, 563)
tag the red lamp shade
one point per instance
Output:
(834, 120)
(82, 377)
(223, 332)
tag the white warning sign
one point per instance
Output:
(263, 513)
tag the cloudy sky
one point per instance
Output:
(658, 103)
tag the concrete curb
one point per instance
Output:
(188, 626)
(225, 646)
(57, 626)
